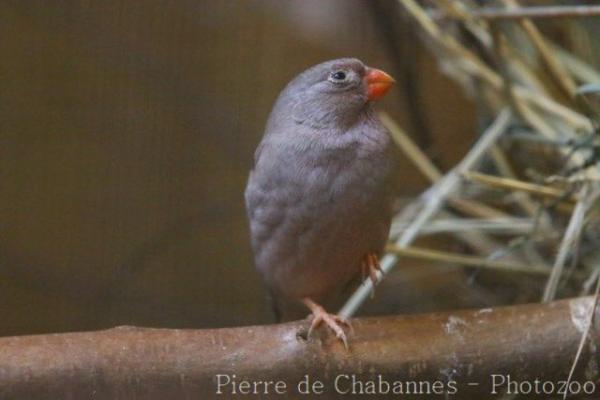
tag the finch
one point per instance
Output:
(319, 198)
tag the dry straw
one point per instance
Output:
(534, 88)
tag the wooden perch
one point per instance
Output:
(463, 352)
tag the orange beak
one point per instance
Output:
(378, 83)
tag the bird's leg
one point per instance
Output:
(370, 266)
(331, 320)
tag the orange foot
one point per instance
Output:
(332, 321)
(370, 266)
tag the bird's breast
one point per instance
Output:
(317, 215)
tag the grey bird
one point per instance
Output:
(319, 198)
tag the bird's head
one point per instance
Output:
(335, 93)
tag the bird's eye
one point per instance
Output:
(338, 76)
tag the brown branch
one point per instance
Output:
(527, 342)
(538, 12)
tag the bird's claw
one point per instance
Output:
(370, 266)
(333, 322)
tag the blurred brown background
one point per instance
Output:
(127, 130)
